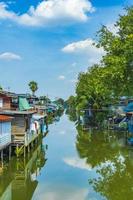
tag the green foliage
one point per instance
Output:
(71, 108)
(33, 86)
(106, 82)
(59, 102)
(71, 102)
(91, 88)
(105, 154)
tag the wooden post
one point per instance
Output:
(28, 148)
(2, 163)
(17, 149)
(24, 151)
(10, 151)
(31, 145)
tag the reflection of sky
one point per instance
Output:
(65, 175)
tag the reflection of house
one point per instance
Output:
(19, 182)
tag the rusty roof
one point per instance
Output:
(5, 118)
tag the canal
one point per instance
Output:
(72, 164)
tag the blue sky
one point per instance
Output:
(51, 41)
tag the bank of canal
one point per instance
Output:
(72, 165)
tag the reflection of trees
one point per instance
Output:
(115, 182)
(52, 117)
(95, 147)
(72, 115)
(96, 119)
(112, 162)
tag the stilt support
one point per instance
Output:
(10, 151)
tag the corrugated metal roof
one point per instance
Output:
(5, 118)
(8, 94)
(17, 112)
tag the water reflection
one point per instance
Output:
(18, 181)
(107, 153)
(82, 165)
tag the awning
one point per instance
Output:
(23, 104)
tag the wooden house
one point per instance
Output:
(26, 127)
(7, 100)
(20, 125)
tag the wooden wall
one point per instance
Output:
(18, 125)
(7, 103)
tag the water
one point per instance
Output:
(72, 164)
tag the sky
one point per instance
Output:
(51, 42)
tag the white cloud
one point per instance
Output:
(77, 163)
(61, 77)
(50, 11)
(85, 47)
(8, 56)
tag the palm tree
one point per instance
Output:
(33, 86)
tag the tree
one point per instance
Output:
(91, 88)
(1, 88)
(33, 87)
(71, 108)
(59, 101)
(119, 54)
(106, 82)
(71, 102)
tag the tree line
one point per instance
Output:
(104, 83)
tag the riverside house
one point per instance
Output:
(7, 100)
(5, 136)
(26, 125)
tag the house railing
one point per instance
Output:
(30, 136)
(25, 138)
